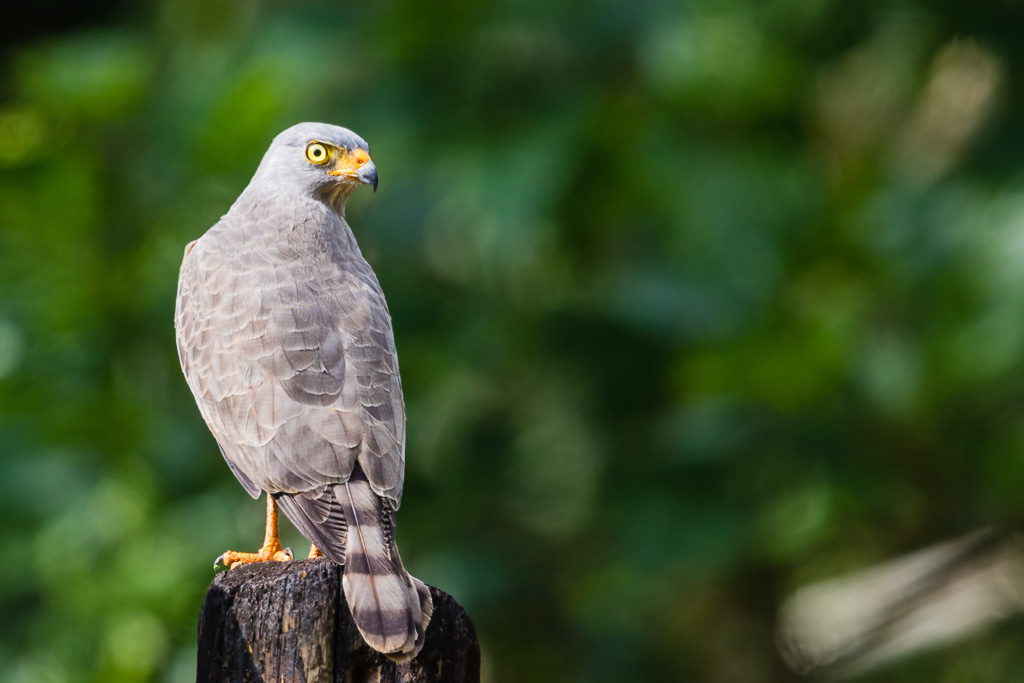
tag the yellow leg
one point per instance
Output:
(315, 552)
(271, 550)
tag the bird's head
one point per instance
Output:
(320, 160)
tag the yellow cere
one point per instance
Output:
(350, 162)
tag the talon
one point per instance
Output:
(271, 550)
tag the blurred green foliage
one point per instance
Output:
(695, 304)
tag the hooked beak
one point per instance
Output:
(367, 174)
(357, 165)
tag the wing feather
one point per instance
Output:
(294, 368)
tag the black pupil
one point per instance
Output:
(318, 152)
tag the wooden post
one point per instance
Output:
(288, 622)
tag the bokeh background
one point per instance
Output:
(696, 303)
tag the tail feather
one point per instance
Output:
(391, 609)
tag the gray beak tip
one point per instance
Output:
(368, 175)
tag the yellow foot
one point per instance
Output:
(232, 558)
(271, 550)
(315, 552)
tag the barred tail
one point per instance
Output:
(391, 609)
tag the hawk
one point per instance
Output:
(286, 342)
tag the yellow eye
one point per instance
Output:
(316, 153)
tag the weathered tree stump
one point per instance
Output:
(288, 621)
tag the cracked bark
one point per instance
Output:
(288, 622)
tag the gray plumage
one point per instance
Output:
(286, 342)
